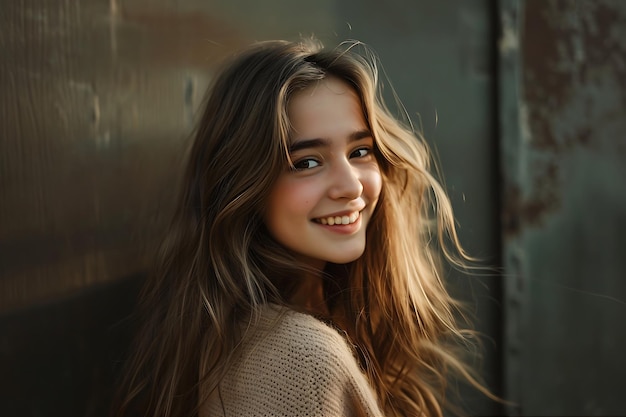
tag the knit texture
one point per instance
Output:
(292, 364)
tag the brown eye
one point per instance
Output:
(304, 164)
(360, 153)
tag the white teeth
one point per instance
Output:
(331, 221)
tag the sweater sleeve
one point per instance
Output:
(296, 366)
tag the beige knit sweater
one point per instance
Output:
(292, 364)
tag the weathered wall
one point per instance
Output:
(563, 137)
(98, 98)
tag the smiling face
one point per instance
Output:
(320, 208)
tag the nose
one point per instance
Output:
(345, 181)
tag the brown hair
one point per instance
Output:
(219, 264)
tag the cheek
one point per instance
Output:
(291, 198)
(372, 183)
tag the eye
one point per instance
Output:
(360, 153)
(304, 164)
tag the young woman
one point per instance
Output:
(301, 275)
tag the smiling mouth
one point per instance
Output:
(339, 220)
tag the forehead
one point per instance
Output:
(325, 108)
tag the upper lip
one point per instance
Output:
(341, 213)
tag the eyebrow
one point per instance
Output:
(320, 142)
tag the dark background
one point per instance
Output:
(524, 102)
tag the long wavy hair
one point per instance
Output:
(219, 264)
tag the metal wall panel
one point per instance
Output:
(563, 116)
(97, 101)
(98, 98)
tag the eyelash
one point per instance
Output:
(295, 167)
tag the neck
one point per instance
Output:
(309, 296)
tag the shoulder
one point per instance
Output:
(280, 323)
(305, 344)
(291, 363)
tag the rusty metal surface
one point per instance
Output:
(564, 208)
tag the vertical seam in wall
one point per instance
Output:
(511, 128)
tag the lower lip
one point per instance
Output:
(343, 229)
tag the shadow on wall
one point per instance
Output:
(44, 353)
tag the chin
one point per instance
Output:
(346, 258)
